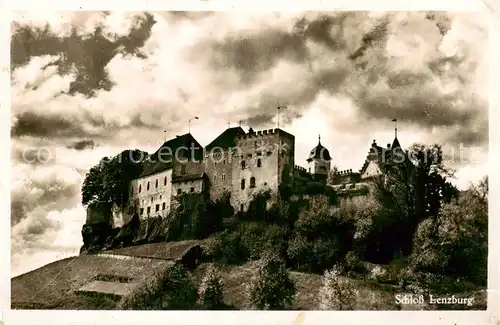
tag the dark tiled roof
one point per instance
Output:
(381, 155)
(226, 139)
(164, 157)
(191, 177)
(395, 144)
(320, 152)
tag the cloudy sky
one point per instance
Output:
(91, 84)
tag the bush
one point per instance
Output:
(273, 288)
(179, 292)
(336, 293)
(211, 291)
(353, 262)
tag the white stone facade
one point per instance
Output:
(152, 194)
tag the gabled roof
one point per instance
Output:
(381, 155)
(164, 157)
(226, 139)
(395, 144)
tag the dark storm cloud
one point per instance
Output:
(82, 144)
(89, 54)
(17, 211)
(376, 37)
(411, 96)
(31, 124)
(252, 54)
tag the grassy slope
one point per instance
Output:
(371, 297)
(54, 285)
(170, 250)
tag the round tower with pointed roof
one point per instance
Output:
(319, 161)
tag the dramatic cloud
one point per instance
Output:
(122, 79)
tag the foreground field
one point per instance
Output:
(69, 283)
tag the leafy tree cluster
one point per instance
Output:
(109, 181)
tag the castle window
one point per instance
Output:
(259, 153)
(156, 183)
(243, 164)
(215, 178)
(259, 163)
(179, 191)
(164, 206)
(183, 169)
(192, 189)
(151, 200)
(243, 184)
(148, 210)
(252, 182)
(241, 207)
(165, 181)
(223, 177)
(141, 211)
(224, 161)
(157, 207)
(147, 187)
(140, 188)
(160, 197)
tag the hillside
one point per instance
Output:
(57, 285)
(101, 281)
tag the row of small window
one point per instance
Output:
(222, 177)
(156, 184)
(252, 183)
(157, 209)
(244, 165)
(179, 191)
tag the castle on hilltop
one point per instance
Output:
(241, 163)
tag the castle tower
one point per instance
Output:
(319, 161)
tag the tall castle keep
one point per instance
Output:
(241, 163)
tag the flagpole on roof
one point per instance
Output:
(194, 118)
(395, 128)
(278, 108)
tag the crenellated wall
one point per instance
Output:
(262, 156)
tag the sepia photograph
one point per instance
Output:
(220, 160)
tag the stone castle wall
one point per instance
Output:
(219, 169)
(259, 157)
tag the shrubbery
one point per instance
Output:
(211, 290)
(272, 288)
(337, 291)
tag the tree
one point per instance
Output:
(336, 293)
(92, 188)
(273, 288)
(109, 181)
(453, 244)
(178, 291)
(210, 293)
(414, 187)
